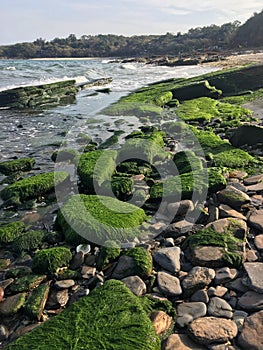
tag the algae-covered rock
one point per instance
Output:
(119, 186)
(36, 301)
(212, 249)
(49, 260)
(187, 161)
(133, 108)
(98, 219)
(25, 283)
(28, 242)
(11, 166)
(143, 261)
(18, 271)
(111, 317)
(34, 186)
(107, 253)
(10, 231)
(95, 167)
(66, 155)
(13, 304)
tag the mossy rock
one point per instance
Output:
(28, 242)
(120, 187)
(18, 271)
(187, 161)
(98, 219)
(35, 303)
(107, 253)
(163, 99)
(68, 274)
(112, 140)
(12, 166)
(232, 246)
(111, 318)
(66, 155)
(178, 130)
(26, 283)
(11, 231)
(143, 261)
(96, 167)
(34, 186)
(133, 109)
(83, 139)
(49, 260)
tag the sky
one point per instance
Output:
(27, 20)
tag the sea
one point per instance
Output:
(37, 133)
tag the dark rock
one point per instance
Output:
(169, 285)
(219, 308)
(187, 312)
(247, 135)
(168, 258)
(251, 301)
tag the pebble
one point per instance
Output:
(187, 312)
(161, 321)
(197, 278)
(4, 333)
(181, 342)
(239, 318)
(124, 268)
(169, 285)
(77, 261)
(219, 308)
(2, 293)
(64, 284)
(135, 284)
(168, 258)
(88, 271)
(219, 291)
(208, 330)
(252, 180)
(180, 208)
(12, 304)
(200, 295)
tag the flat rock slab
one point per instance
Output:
(252, 335)
(168, 258)
(251, 301)
(253, 277)
(256, 219)
(208, 330)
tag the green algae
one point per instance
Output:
(111, 318)
(99, 218)
(35, 303)
(28, 242)
(187, 161)
(11, 231)
(127, 108)
(95, 167)
(19, 271)
(11, 166)
(25, 283)
(120, 186)
(34, 186)
(143, 261)
(108, 253)
(112, 140)
(49, 260)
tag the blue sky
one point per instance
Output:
(27, 20)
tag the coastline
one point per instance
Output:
(232, 61)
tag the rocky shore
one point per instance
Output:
(148, 242)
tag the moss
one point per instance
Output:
(36, 301)
(67, 274)
(11, 166)
(120, 186)
(49, 260)
(110, 318)
(178, 130)
(11, 308)
(163, 99)
(25, 283)
(4, 263)
(96, 166)
(109, 252)
(112, 140)
(133, 108)
(34, 186)
(28, 242)
(151, 304)
(217, 180)
(245, 97)
(10, 231)
(143, 261)
(19, 271)
(99, 218)
(187, 161)
(66, 155)
(231, 244)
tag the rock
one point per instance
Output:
(161, 321)
(208, 330)
(238, 174)
(237, 285)
(2, 293)
(219, 308)
(12, 304)
(225, 274)
(247, 135)
(237, 227)
(49, 260)
(77, 260)
(253, 277)
(177, 229)
(135, 284)
(256, 219)
(251, 255)
(187, 312)
(252, 335)
(251, 301)
(200, 296)
(5, 283)
(57, 299)
(197, 278)
(64, 284)
(208, 256)
(168, 258)
(180, 208)
(125, 267)
(11, 166)
(180, 342)
(88, 271)
(169, 285)
(38, 95)
(239, 318)
(4, 333)
(256, 188)
(233, 197)
(253, 180)
(26, 283)
(83, 323)
(259, 242)
(219, 291)
(226, 211)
